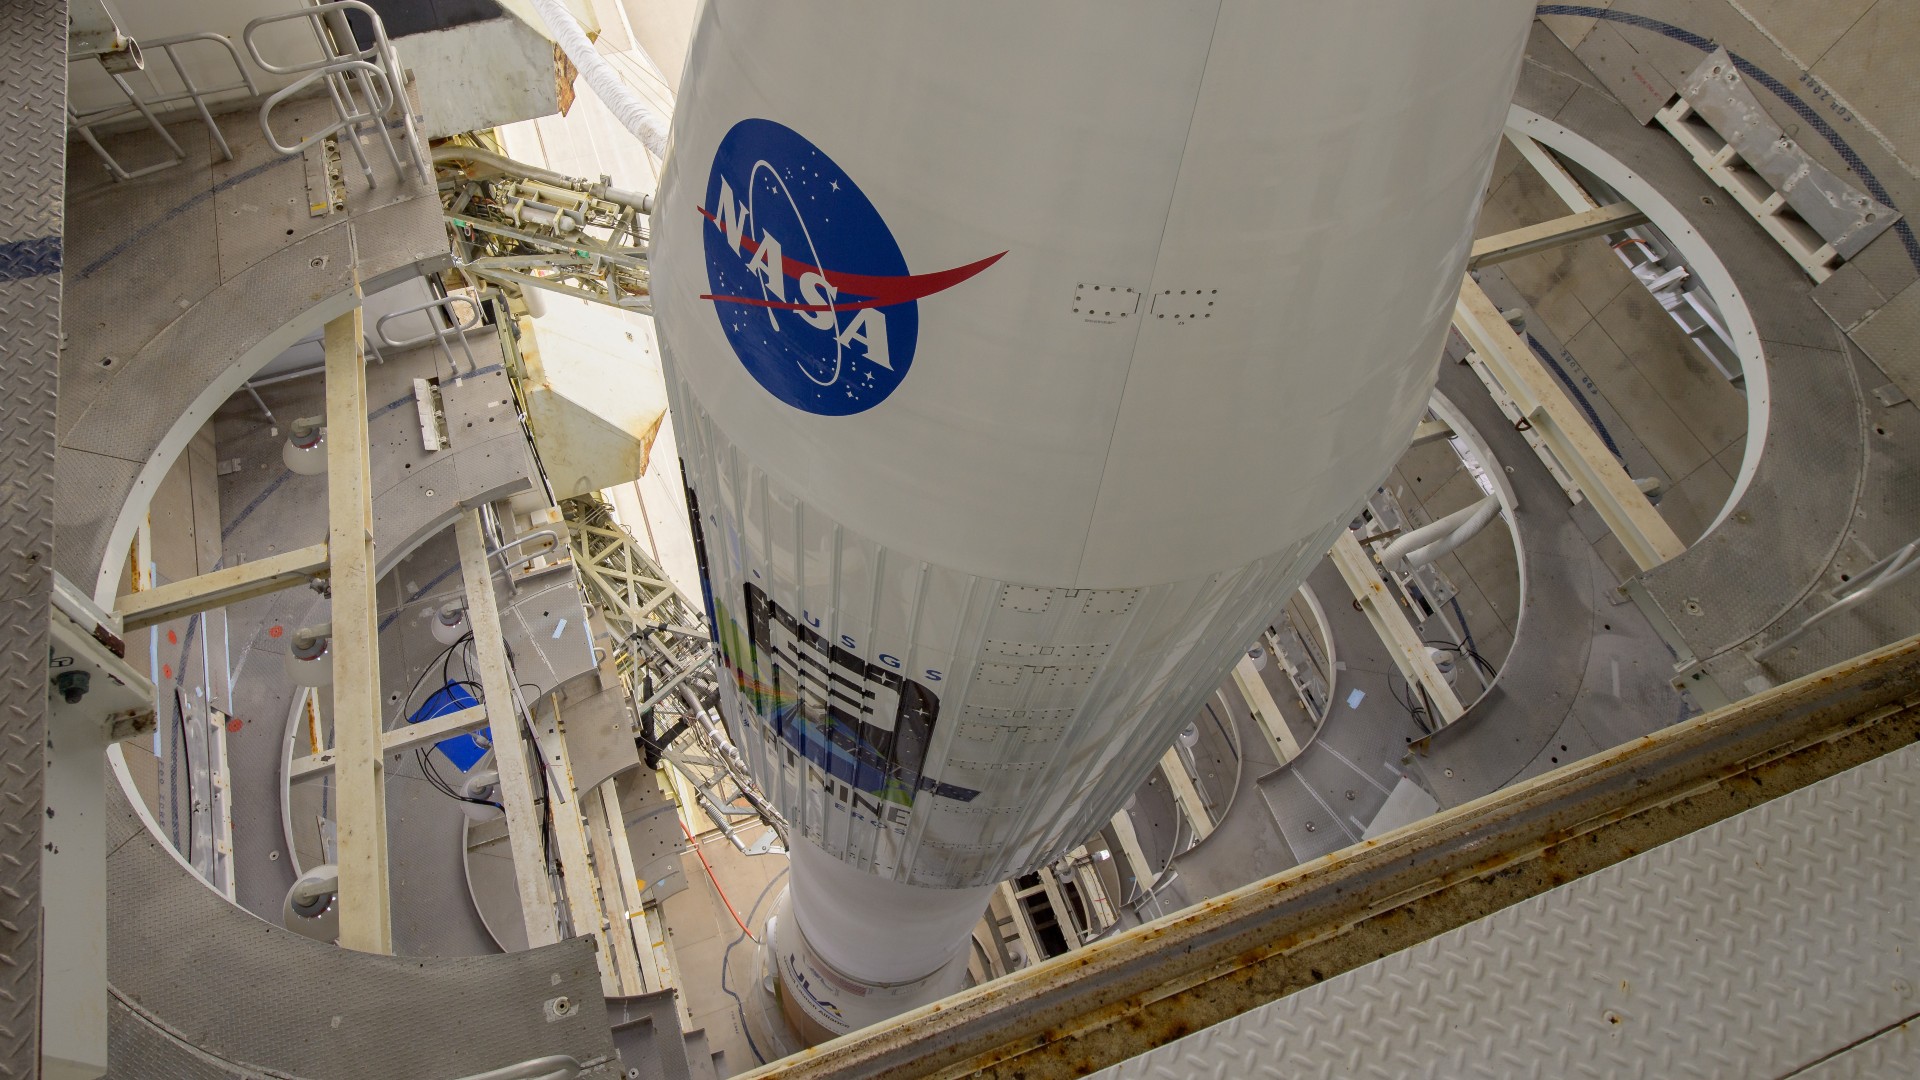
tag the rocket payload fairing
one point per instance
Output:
(1023, 359)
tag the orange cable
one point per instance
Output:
(716, 881)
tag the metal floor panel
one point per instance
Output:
(33, 52)
(1833, 492)
(1584, 673)
(1776, 941)
(239, 989)
(254, 279)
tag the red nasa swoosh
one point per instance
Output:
(883, 291)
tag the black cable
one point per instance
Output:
(186, 756)
(1414, 711)
(1463, 650)
(440, 784)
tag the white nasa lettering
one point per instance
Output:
(766, 265)
(731, 216)
(816, 293)
(869, 328)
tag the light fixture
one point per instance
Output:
(312, 906)
(309, 659)
(305, 451)
(449, 621)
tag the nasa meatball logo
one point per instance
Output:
(811, 288)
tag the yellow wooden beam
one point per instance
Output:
(177, 599)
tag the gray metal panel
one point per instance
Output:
(283, 1002)
(546, 630)
(419, 492)
(33, 50)
(188, 276)
(1842, 214)
(1754, 947)
(1560, 684)
(1796, 510)
(1817, 475)
(138, 1049)
(1891, 335)
(599, 729)
(646, 1028)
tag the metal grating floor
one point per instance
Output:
(1779, 942)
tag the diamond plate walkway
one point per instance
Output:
(1760, 946)
(33, 51)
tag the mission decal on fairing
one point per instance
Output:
(810, 286)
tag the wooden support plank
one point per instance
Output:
(424, 733)
(1550, 170)
(607, 839)
(1396, 632)
(1186, 793)
(1128, 840)
(1023, 928)
(1430, 431)
(1266, 711)
(1600, 477)
(524, 818)
(1550, 234)
(360, 779)
(567, 809)
(1062, 913)
(150, 607)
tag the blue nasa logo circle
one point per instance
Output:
(811, 288)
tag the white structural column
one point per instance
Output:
(1542, 404)
(1402, 640)
(509, 747)
(366, 919)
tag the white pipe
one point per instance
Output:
(1428, 542)
(646, 125)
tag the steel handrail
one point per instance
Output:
(380, 51)
(1871, 582)
(376, 76)
(458, 326)
(376, 69)
(84, 121)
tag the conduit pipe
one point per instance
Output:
(1429, 542)
(645, 124)
(478, 164)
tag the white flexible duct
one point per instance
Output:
(1428, 542)
(647, 126)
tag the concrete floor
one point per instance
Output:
(716, 963)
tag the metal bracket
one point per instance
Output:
(94, 699)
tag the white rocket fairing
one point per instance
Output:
(1023, 358)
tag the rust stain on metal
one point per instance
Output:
(1138, 989)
